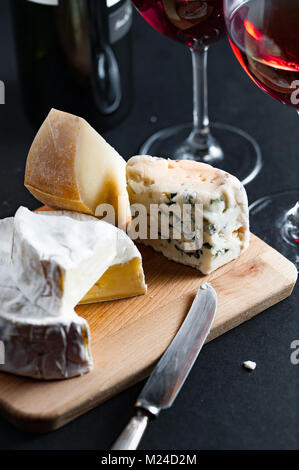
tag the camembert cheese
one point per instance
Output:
(224, 226)
(59, 256)
(38, 344)
(50, 262)
(70, 166)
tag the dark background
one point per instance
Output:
(222, 406)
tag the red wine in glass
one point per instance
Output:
(198, 24)
(264, 35)
(195, 23)
(265, 39)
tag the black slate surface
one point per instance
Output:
(222, 406)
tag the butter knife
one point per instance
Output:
(170, 373)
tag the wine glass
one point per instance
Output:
(198, 24)
(264, 36)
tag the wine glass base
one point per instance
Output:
(273, 220)
(230, 149)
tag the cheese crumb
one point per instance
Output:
(249, 365)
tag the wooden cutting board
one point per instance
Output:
(129, 336)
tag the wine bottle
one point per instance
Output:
(75, 55)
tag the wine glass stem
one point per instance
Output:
(201, 130)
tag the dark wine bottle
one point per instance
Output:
(75, 55)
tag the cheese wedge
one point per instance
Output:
(124, 278)
(58, 257)
(70, 166)
(224, 223)
(37, 344)
(48, 262)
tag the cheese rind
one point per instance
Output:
(37, 345)
(56, 258)
(221, 196)
(70, 166)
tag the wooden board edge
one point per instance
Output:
(286, 268)
(243, 317)
(48, 423)
(30, 423)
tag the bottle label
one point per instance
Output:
(120, 21)
(46, 2)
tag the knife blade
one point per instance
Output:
(170, 373)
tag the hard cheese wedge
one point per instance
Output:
(70, 166)
(224, 220)
(48, 263)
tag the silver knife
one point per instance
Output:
(170, 373)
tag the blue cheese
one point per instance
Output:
(220, 235)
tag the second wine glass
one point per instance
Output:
(264, 37)
(198, 24)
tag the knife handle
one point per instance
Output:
(131, 436)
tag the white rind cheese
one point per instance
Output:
(58, 256)
(225, 222)
(57, 259)
(38, 345)
(48, 262)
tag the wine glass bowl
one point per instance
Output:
(198, 24)
(264, 36)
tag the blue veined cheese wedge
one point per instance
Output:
(225, 216)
